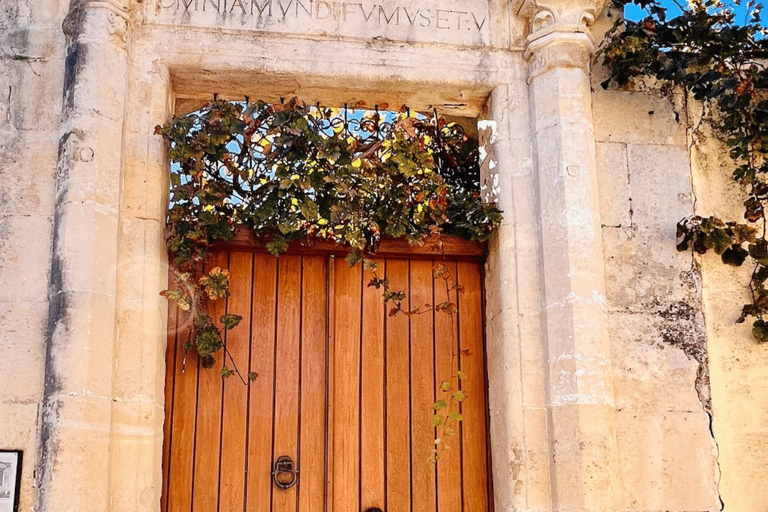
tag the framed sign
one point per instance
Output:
(10, 480)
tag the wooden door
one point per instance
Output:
(343, 389)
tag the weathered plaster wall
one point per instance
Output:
(31, 74)
(738, 365)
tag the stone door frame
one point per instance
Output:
(550, 390)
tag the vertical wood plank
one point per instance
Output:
(474, 431)
(170, 374)
(208, 435)
(235, 401)
(259, 480)
(287, 374)
(184, 420)
(346, 392)
(372, 433)
(446, 368)
(398, 419)
(311, 462)
(422, 387)
(330, 369)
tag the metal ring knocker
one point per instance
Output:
(284, 466)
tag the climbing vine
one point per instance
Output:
(298, 173)
(446, 409)
(721, 60)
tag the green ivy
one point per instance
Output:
(720, 60)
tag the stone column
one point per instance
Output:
(72, 471)
(516, 356)
(580, 388)
(142, 270)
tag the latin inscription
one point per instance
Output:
(440, 19)
(467, 20)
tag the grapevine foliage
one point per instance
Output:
(298, 173)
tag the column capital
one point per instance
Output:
(558, 32)
(117, 19)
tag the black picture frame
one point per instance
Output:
(10, 479)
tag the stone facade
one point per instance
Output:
(618, 379)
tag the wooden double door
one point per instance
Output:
(343, 389)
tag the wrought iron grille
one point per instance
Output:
(455, 154)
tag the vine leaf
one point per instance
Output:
(735, 255)
(230, 321)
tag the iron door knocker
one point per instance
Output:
(285, 475)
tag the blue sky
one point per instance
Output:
(634, 12)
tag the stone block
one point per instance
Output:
(141, 351)
(637, 118)
(84, 345)
(25, 255)
(613, 184)
(94, 164)
(536, 455)
(31, 77)
(642, 267)
(584, 453)
(449, 21)
(102, 91)
(660, 185)
(137, 438)
(25, 192)
(145, 193)
(142, 263)
(89, 236)
(36, 97)
(15, 14)
(667, 461)
(18, 431)
(651, 372)
(22, 345)
(79, 469)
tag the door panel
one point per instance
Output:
(372, 424)
(474, 433)
(449, 495)
(346, 388)
(210, 388)
(234, 423)
(261, 392)
(397, 397)
(343, 388)
(314, 333)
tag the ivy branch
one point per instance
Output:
(720, 60)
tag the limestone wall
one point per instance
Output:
(31, 77)
(680, 421)
(658, 339)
